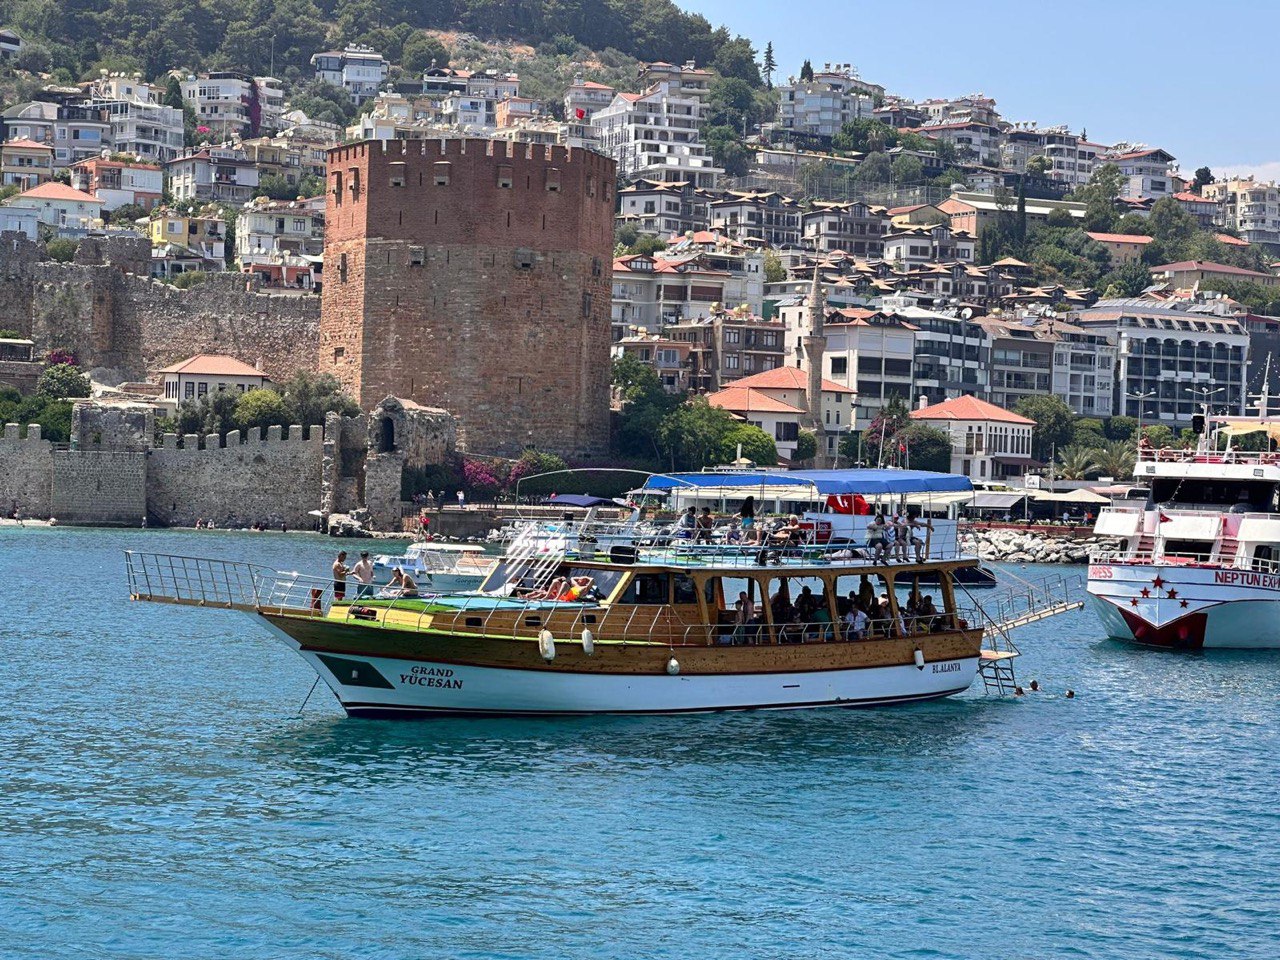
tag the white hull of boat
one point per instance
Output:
(1187, 607)
(386, 687)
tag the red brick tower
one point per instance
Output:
(474, 275)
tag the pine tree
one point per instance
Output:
(770, 64)
(1022, 210)
(806, 72)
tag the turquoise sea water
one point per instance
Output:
(161, 797)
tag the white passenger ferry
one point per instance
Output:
(1198, 562)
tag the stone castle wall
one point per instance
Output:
(109, 313)
(263, 476)
(95, 487)
(475, 276)
(26, 471)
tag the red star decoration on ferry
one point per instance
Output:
(1183, 603)
(1146, 592)
(1158, 582)
(1133, 602)
(1171, 593)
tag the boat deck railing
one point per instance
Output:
(1204, 558)
(742, 556)
(236, 585)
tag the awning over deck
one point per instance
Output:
(845, 482)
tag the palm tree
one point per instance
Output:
(1076, 461)
(1115, 458)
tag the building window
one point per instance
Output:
(839, 366)
(504, 177)
(442, 170)
(586, 304)
(339, 353)
(417, 255)
(202, 389)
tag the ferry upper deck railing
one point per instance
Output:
(1205, 558)
(1169, 455)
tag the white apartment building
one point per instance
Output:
(972, 139)
(656, 135)
(57, 205)
(280, 241)
(1248, 206)
(1148, 173)
(855, 228)
(224, 174)
(140, 123)
(234, 104)
(75, 131)
(1084, 368)
(475, 109)
(663, 209)
(1176, 354)
(973, 108)
(821, 106)
(359, 70)
(928, 243)
(987, 441)
(767, 218)
(1070, 157)
(583, 98)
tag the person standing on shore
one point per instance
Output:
(340, 576)
(462, 500)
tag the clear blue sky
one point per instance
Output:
(1197, 79)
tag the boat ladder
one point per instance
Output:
(533, 561)
(1021, 603)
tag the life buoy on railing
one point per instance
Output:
(588, 642)
(919, 658)
(673, 666)
(547, 645)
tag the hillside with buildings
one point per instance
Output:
(721, 227)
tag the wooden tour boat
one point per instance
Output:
(671, 629)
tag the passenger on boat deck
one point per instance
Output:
(856, 622)
(705, 525)
(913, 525)
(734, 533)
(876, 537)
(363, 573)
(806, 605)
(340, 576)
(551, 591)
(747, 513)
(688, 521)
(927, 614)
(781, 608)
(866, 593)
(789, 532)
(901, 538)
(744, 612)
(576, 589)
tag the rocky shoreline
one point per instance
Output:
(1018, 546)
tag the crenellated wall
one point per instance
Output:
(263, 476)
(26, 471)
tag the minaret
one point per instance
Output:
(813, 347)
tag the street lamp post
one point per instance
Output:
(1141, 398)
(1204, 393)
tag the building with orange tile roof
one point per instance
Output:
(987, 441)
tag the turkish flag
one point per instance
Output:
(839, 503)
(1164, 518)
(580, 113)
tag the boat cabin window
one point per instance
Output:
(684, 590)
(922, 606)
(1263, 558)
(1189, 549)
(646, 588)
(603, 581)
(866, 594)
(800, 609)
(1255, 496)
